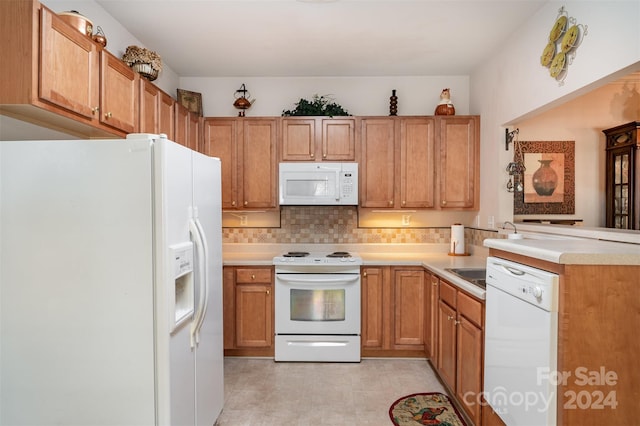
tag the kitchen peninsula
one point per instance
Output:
(598, 305)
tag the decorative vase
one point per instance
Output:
(545, 179)
(393, 103)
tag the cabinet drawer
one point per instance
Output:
(261, 275)
(448, 293)
(470, 308)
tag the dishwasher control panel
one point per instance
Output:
(536, 286)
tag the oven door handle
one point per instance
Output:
(284, 278)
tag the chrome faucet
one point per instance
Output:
(515, 231)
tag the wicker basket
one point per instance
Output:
(145, 70)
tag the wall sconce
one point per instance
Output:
(509, 137)
(515, 169)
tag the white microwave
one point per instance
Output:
(318, 184)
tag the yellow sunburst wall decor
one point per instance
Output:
(563, 41)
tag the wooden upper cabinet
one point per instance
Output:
(318, 139)
(149, 112)
(298, 139)
(69, 67)
(220, 140)
(166, 113)
(194, 131)
(156, 110)
(188, 127)
(338, 139)
(59, 78)
(417, 162)
(397, 162)
(181, 118)
(258, 178)
(118, 94)
(377, 163)
(459, 161)
(247, 148)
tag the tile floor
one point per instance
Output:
(263, 392)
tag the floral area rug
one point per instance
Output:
(425, 409)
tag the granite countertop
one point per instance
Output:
(430, 256)
(571, 251)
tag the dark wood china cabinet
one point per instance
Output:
(623, 176)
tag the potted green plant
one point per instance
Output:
(318, 106)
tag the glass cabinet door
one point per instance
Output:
(623, 176)
(621, 191)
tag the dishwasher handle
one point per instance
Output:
(535, 286)
(513, 270)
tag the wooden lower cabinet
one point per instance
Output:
(392, 311)
(460, 347)
(248, 311)
(597, 340)
(375, 289)
(431, 315)
(408, 309)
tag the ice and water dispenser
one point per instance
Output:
(181, 303)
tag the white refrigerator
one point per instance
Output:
(110, 283)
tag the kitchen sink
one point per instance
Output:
(476, 276)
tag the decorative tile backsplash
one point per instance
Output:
(339, 225)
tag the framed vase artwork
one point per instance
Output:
(549, 178)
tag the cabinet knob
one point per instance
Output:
(434, 283)
(391, 203)
(404, 203)
(246, 203)
(268, 292)
(456, 322)
(233, 203)
(94, 110)
(253, 277)
(449, 317)
(312, 155)
(444, 202)
(108, 115)
(324, 155)
(364, 274)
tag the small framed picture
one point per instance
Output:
(191, 101)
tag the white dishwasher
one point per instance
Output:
(521, 343)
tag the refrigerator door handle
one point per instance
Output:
(197, 232)
(205, 281)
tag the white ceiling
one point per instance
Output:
(244, 38)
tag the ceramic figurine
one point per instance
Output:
(445, 107)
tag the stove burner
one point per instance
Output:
(339, 254)
(296, 254)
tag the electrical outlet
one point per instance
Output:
(477, 221)
(406, 219)
(244, 220)
(491, 222)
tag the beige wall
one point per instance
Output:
(582, 120)
(511, 85)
